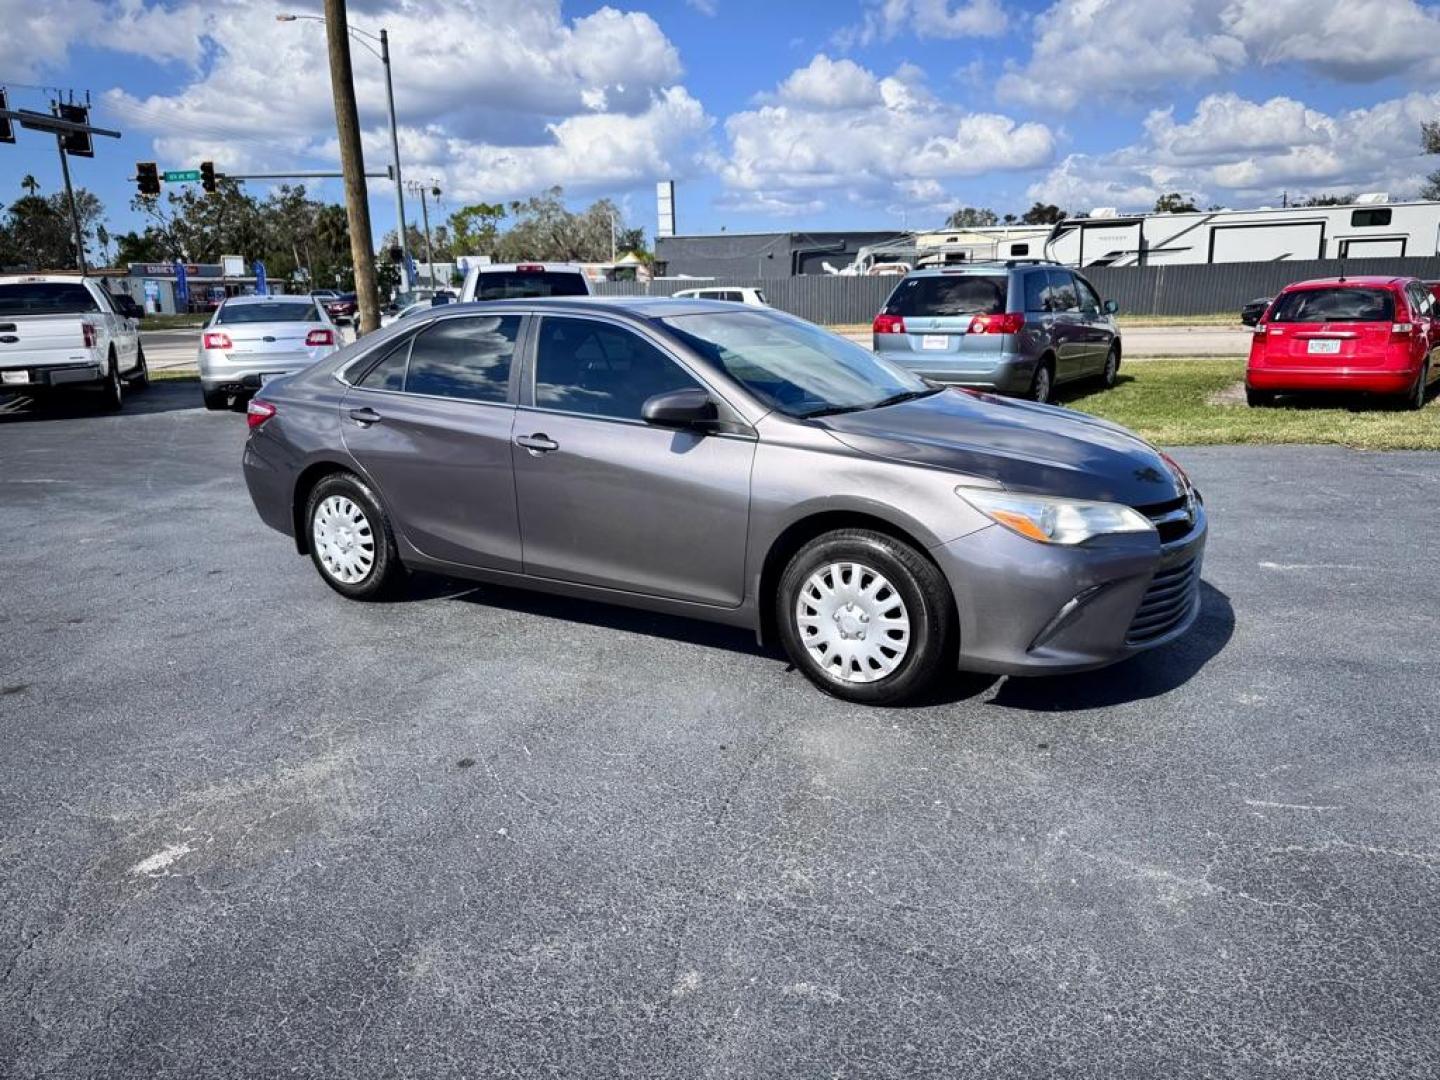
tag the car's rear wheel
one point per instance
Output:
(1416, 398)
(112, 390)
(350, 539)
(866, 617)
(1258, 399)
(1042, 386)
(215, 400)
(1112, 368)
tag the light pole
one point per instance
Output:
(434, 187)
(364, 38)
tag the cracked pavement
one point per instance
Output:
(250, 829)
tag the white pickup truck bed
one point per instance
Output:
(63, 331)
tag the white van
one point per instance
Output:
(733, 293)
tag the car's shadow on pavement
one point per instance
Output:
(162, 395)
(1147, 675)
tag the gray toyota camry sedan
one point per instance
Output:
(734, 464)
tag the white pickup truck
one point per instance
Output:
(61, 332)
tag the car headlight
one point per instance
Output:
(1049, 520)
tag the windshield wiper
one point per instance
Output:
(893, 399)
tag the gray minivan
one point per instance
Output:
(1016, 327)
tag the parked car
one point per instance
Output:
(507, 281)
(735, 464)
(392, 315)
(1377, 335)
(729, 293)
(252, 339)
(1015, 328)
(64, 332)
(341, 308)
(1252, 312)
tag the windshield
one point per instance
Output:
(508, 284)
(266, 312)
(960, 294)
(46, 298)
(1334, 305)
(793, 366)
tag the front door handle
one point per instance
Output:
(539, 443)
(364, 417)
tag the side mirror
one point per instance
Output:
(1250, 318)
(1111, 307)
(690, 408)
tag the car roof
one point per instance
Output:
(993, 269)
(281, 298)
(491, 268)
(1368, 281)
(645, 307)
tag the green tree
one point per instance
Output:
(475, 229)
(133, 247)
(1043, 214)
(1174, 203)
(1430, 144)
(969, 217)
(545, 230)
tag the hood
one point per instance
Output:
(1038, 449)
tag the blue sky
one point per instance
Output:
(851, 113)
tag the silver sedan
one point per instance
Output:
(251, 339)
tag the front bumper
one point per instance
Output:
(51, 375)
(1034, 609)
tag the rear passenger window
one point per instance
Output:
(733, 296)
(389, 373)
(464, 358)
(1063, 296)
(1037, 291)
(585, 366)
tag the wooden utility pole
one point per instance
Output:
(352, 163)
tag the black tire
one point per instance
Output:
(1042, 385)
(1259, 399)
(215, 400)
(385, 571)
(112, 390)
(1112, 368)
(920, 587)
(141, 379)
(1415, 399)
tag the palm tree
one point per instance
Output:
(30, 184)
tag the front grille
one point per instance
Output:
(1173, 594)
(1173, 520)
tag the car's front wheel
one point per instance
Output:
(866, 617)
(350, 539)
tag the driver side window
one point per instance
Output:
(591, 367)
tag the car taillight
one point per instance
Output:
(529, 268)
(888, 324)
(320, 337)
(1401, 330)
(257, 412)
(1009, 322)
(218, 341)
(90, 336)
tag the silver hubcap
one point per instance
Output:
(343, 539)
(852, 622)
(1042, 385)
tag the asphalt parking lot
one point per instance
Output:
(251, 829)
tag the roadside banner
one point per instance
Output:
(152, 296)
(262, 287)
(182, 284)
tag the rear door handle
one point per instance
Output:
(539, 443)
(365, 416)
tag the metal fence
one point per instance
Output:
(1204, 289)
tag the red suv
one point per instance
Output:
(1376, 335)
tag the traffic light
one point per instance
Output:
(77, 143)
(207, 177)
(149, 177)
(7, 129)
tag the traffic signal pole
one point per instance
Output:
(70, 199)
